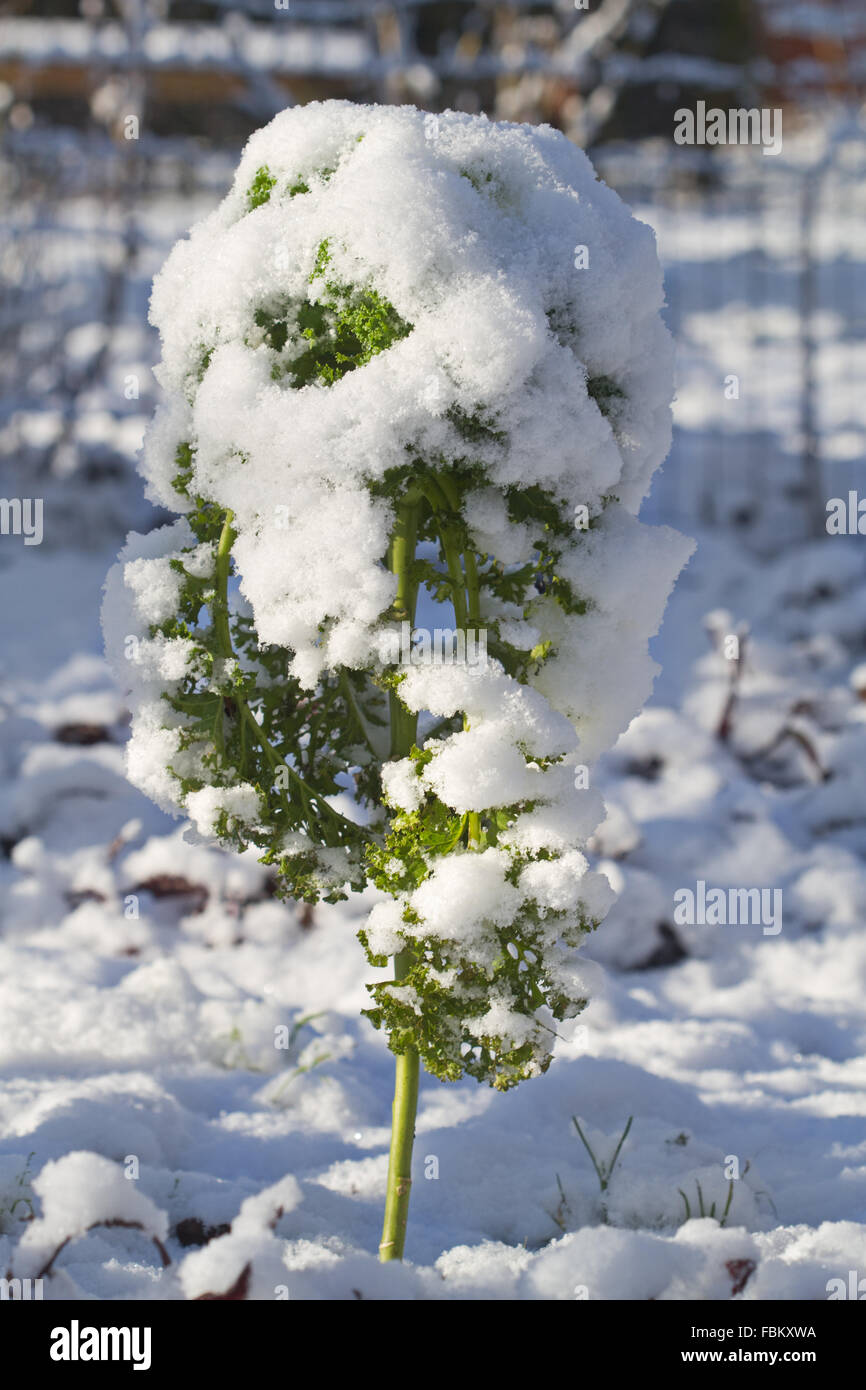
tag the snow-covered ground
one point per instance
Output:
(142, 979)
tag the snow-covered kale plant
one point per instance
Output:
(414, 368)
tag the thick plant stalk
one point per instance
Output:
(400, 1159)
(403, 733)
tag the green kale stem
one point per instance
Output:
(442, 497)
(404, 1109)
(404, 732)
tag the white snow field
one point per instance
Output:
(142, 978)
